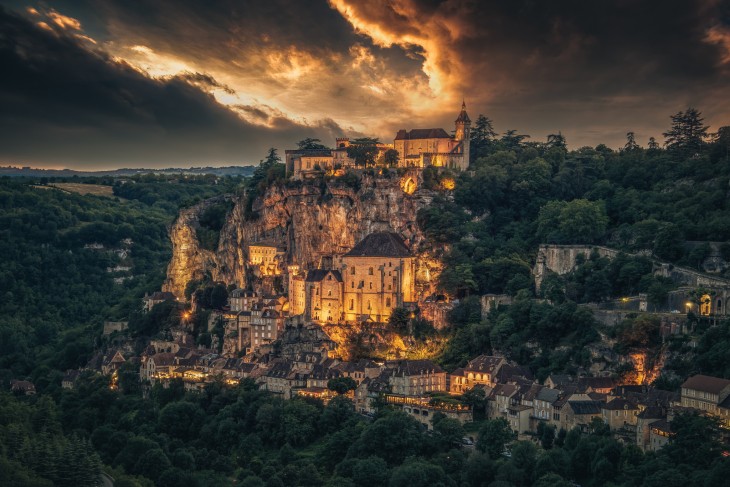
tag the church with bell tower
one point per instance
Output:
(434, 146)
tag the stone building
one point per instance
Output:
(416, 148)
(295, 290)
(434, 147)
(378, 275)
(709, 394)
(481, 371)
(323, 295)
(265, 258)
(414, 378)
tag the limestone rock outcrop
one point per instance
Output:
(311, 220)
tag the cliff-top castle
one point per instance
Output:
(417, 148)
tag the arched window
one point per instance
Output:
(370, 271)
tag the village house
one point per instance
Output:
(543, 405)
(360, 370)
(414, 377)
(266, 325)
(659, 434)
(579, 413)
(481, 371)
(706, 393)
(644, 420)
(266, 258)
(22, 387)
(156, 298)
(619, 414)
(111, 362)
(241, 300)
(69, 378)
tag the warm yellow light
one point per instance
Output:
(625, 300)
(448, 183)
(689, 305)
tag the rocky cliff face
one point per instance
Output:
(189, 261)
(310, 220)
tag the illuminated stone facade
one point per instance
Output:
(434, 147)
(378, 275)
(323, 291)
(295, 290)
(265, 258)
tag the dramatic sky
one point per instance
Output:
(91, 84)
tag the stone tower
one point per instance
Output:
(463, 134)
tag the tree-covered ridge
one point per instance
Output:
(59, 254)
(244, 436)
(518, 194)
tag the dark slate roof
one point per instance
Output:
(662, 425)
(414, 367)
(548, 395)
(422, 134)
(705, 383)
(484, 363)
(380, 244)
(620, 404)
(652, 412)
(463, 117)
(316, 275)
(585, 407)
(508, 373)
(596, 383)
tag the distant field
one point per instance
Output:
(95, 189)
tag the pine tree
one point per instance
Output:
(631, 144)
(688, 133)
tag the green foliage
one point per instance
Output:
(342, 384)
(311, 144)
(211, 222)
(363, 151)
(494, 435)
(54, 291)
(577, 221)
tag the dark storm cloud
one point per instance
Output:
(149, 82)
(63, 103)
(584, 67)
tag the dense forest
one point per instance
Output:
(56, 289)
(519, 194)
(248, 437)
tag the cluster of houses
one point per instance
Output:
(305, 366)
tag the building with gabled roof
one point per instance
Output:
(619, 413)
(481, 371)
(707, 393)
(323, 296)
(435, 147)
(379, 276)
(150, 300)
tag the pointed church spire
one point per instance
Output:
(463, 117)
